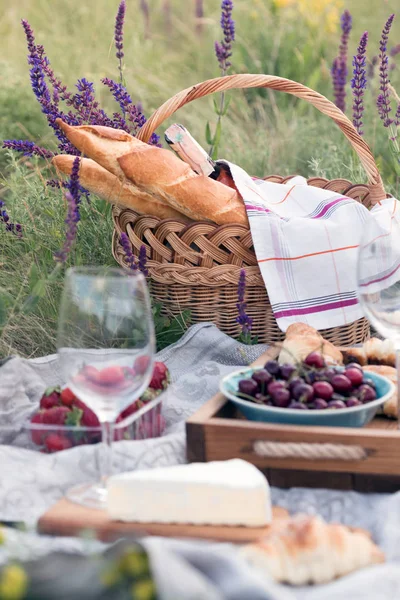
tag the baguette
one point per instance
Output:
(160, 172)
(102, 144)
(101, 182)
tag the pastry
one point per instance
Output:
(301, 340)
(101, 182)
(304, 549)
(390, 408)
(380, 352)
(373, 352)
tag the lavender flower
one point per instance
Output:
(14, 228)
(223, 50)
(130, 258)
(243, 318)
(397, 116)
(339, 66)
(132, 112)
(199, 12)
(143, 260)
(144, 6)
(359, 82)
(119, 36)
(28, 148)
(72, 196)
(30, 38)
(383, 100)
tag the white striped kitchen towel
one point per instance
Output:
(306, 240)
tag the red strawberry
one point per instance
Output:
(37, 434)
(161, 377)
(120, 433)
(67, 397)
(50, 398)
(56, 415)
(88, 419)
(151, 428)
(111, 376)
(141, 364)
(55, 442)
(132, 408)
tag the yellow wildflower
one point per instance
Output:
(143, 590)
(1, 537)
(13, 583)
(316, 13)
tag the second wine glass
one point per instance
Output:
(106, 349)
(378, 273)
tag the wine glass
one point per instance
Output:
(378, 273)
(106, 349)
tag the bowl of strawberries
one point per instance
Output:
(63, 421)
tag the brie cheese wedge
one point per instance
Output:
(232, 492)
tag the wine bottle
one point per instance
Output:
(190, 151)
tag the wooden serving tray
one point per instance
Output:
(308, 456)
(68, 519)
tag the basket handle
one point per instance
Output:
(219, 84)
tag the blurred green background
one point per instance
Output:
(264, 132)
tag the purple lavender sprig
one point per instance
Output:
(383, 100)
(223, 50)
(129, 256)
(28, 148)
(119, 37)
(359, 82)
(14, 228)
(143, 260)
(339, 66)
(73, 198)
(133, 112)
(133, 263)
(244, 320)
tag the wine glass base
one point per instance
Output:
(91, 495)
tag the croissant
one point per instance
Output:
(301, 340)
(304, 549)
(98, 180)
(380, 352)
(390, 408)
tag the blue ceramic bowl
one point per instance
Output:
(356, 416)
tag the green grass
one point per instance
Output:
(264, 132)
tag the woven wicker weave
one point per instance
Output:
(197, 266)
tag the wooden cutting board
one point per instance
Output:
(69, 519)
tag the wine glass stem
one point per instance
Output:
(107, 430)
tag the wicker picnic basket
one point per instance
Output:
(197, 266)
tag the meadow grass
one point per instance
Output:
(264, 132)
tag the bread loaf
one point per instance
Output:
(102, 144)
(160, 172)
(99, 181)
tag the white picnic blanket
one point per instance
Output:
(31, 482)
(306, 240)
